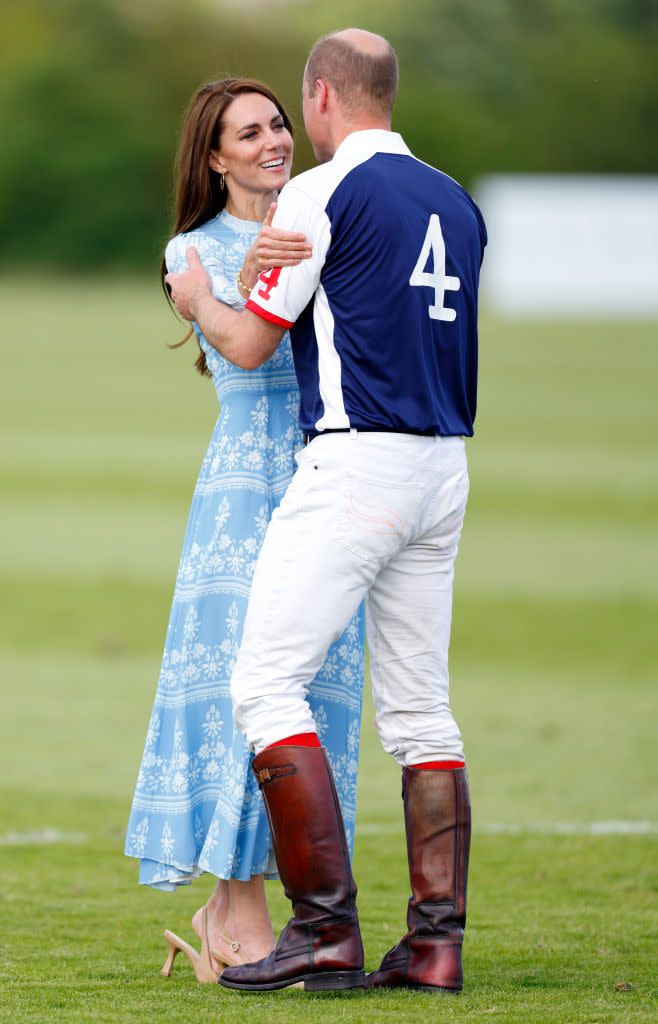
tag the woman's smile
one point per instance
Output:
(255, 151)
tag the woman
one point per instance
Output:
(197, 807)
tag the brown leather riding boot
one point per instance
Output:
(437, 814)
(321, 944)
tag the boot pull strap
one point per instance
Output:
(268, 774)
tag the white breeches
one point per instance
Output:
(371, 514)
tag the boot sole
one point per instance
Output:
(330, 981)
(435, 988)
(418, 988)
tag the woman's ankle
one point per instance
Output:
(219, 897)
(216, 909)
(253, 931)
(244, 927)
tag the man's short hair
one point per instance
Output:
(362, 80)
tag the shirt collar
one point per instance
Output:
(371, 140)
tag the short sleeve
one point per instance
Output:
(280, 295)
(224, 288)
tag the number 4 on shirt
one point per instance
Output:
(270, 279)
(437, 279)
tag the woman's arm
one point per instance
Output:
(243, 338)
(249, 338)
(223, 284)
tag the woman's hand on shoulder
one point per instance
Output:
(176, 251)
(189, 286)
(273, 248)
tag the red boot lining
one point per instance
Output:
(438, 766)
(301, 739)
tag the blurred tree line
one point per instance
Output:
(92, 93)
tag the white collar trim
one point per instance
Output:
(371, 140)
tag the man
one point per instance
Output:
(384, 333)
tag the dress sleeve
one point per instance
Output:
(281, 295)
(224, 287)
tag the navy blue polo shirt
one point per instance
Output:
(383, 317)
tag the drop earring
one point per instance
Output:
(222, 182)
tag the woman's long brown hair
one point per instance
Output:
(198, 195)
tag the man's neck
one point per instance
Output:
(342, 130)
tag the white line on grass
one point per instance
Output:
(42, 837)
(53, 837)
(551, 828)
(568, 828)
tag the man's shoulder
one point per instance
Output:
(443, 177)
(316, 185)
(456, 190)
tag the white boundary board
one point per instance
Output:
(564, 245)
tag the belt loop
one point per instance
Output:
(437, 438)
(353, 433)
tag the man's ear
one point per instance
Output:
(321, 94)
(215, 163)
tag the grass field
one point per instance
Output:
(554, 665)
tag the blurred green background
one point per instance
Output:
(102, 431)
(103, 428)
(91, 95)
(553, 673)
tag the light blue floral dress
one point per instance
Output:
(197, 806)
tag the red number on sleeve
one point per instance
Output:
(270, 279)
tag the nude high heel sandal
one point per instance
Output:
(226, 960)
(202, 963)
